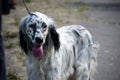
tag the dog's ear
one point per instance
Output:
(22, 37)
(23, 42)
(55, 37)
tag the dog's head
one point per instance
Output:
(36, 31)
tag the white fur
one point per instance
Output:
(75, 57)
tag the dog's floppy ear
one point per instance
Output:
(23, 42)
(55, 37)
(22, 37)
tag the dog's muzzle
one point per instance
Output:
(39, 40)
(37, 49)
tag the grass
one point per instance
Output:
(13, 76)
(82, 9)
(8, 33)
(17, 20)
(28, 1)
(9, 44)
(10, 38)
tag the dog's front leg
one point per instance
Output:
(52, 75)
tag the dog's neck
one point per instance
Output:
(48, 47)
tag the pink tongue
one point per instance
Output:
(37, 51)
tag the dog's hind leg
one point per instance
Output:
(82, 72)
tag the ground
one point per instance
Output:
(101, 18)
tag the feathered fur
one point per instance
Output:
(67, 51)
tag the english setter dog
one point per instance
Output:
(56, 54)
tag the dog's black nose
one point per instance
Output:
(38, 40)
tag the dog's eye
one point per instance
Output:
(44, 25)
(32, 25)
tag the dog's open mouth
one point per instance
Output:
(37, 51)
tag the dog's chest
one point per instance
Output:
(34, 70)
(37, 70)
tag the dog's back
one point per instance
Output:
(78, 52)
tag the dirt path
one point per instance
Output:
(107, 31)
(105, 26)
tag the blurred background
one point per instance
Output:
(100, 17)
